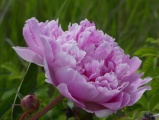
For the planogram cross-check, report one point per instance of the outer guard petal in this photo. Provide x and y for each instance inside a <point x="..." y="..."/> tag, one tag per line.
<point x="29" y="55"/>
<point x="137" y="95"/>
<point x="104" y="113"/>
<point x="64" y="91"/>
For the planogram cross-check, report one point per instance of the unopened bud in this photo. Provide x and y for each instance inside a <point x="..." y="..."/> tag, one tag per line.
<point x="30" y="103"/>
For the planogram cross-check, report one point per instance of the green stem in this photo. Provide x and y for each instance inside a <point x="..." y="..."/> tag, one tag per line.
<point x="47" y="108"/>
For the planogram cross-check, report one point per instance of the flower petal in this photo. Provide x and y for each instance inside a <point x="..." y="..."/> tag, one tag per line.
<point x="65" y="92"/>
<point x="134" y="64"/>
<point x="136" y="84"/>
<point x="67" y="75"/>
<point x="105" y="95"/>
<point x="48" y="53"/>
<point x="115" y="103"/>
<point x="103" y="51"/>
<point x="31" y="33"/>
<point x="29" y="55"/>
<point x="49" y="74"/>
<point x="137" y="95"/>
<point x="92" y="106"/>
<point x="104" y="113"/>
<point x="82" y="90"/>
<point x="126" y="99"/>
<point x="63" y="59"/>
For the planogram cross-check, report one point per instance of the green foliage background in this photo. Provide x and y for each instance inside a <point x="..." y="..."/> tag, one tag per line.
<point x="134" y="25"/>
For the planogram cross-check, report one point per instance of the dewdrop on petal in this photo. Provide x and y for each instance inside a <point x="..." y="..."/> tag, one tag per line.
<point x="30" y="104"/>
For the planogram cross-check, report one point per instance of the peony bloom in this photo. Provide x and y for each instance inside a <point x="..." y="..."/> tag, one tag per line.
<point x="85" y="65"/>
<point x="91" y="70"/>
<point x="32" y="32"/>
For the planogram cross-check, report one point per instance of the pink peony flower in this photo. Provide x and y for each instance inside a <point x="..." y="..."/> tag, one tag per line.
<point x="85" y="65"/>
<point x="91" y="70"/>
<point x="32" y="32"/>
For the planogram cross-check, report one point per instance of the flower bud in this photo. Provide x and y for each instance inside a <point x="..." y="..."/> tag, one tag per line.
<point x="30" y="103"/>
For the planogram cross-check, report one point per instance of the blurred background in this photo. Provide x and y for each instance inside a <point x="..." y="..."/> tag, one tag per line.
<point x="131" y="23"/>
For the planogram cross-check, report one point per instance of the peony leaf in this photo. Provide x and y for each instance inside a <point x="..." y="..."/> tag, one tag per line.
<point x="153" y="102"/>
<point x="149" y="65"/>
<point x="152" y="40"/>
<point x="10" y="67"/>
<point x="146" y="51"/>
<point x="144" y="102"/>
<point x="126" y="118"/>
<point x="27" y="86"/>
<point x="6" y="105"/>
<point x="12" y="70"/>
<point x="154" y="85"/>
<point x="139" y="115"/>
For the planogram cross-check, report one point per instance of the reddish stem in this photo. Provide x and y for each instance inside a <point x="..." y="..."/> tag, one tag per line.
<point x="47" y="108"/>
<point x="24" y="115"/>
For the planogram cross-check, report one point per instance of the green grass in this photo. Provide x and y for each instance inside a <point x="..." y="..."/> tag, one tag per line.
<point x="129" y="22"/>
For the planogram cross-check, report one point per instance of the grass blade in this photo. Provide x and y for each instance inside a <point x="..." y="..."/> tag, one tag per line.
<point x="27" y="86"/>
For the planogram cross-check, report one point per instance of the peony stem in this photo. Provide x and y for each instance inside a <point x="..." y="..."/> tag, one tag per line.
<point x="47" y="108"/>
<point x="24" y="115"/>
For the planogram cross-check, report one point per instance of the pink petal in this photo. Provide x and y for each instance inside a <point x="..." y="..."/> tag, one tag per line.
<point x="48" y="53"/>
<point x="36" y="31"/>
<point x="32" y="43"/>
<point x="115" y="103"/>
<point x="48" y="61"/>
<point x="54" y="54"/>
<point x="132" y="78"/>
<point x="29" y="55"/>
<point x="122" y="69"/>
<point x="141" y="82"/>
<point x="134" y="64"/>
<point x="92" y="107"/>
<point x="136" y="84"/>
<point x="103" y="51"/>
<point x="123" y="86"/>
<point x="137" y="95"/>
<point x="82" y="90"/>
<point x="105" y="95"/>
<point x="49" y="74"/>
<point x="65" y="92"/>
<point x="67" y="75"/>
<point x="76" y="52"/>
<point x="104" y="113"/>
<point x="86" y="23"/>
<point x="63" y="59"/>
<point x="126" y="99"/>
<point x="55" y="46"/>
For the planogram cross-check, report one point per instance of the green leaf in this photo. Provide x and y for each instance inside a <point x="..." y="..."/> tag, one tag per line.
<point x="6" y="105"/>
<point x="7" y="93"/>
<point x="154" y="85"/>
<point x="152" y="40"/>
<point x="146" y="51"/>
<point x="149" y="65"/>
<point x="143" y="101"/>
<point x="126" y="118"/>
<point x="27" y="86"/>
<point x="139" y="115"/>
<point x="11" y="67"/>
<point x="153" y="101"/>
